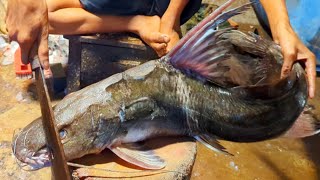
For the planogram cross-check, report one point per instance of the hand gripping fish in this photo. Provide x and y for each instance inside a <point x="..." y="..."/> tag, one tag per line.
<point x="215" y="84"/>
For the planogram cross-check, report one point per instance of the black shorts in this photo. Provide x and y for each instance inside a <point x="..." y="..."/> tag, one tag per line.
<point x="138" y="7"/>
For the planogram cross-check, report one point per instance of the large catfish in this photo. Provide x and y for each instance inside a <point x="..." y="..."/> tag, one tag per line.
<point x="215" y="84"/>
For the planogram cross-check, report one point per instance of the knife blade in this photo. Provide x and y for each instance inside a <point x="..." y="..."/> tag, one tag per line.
<point x="59" y="168"/>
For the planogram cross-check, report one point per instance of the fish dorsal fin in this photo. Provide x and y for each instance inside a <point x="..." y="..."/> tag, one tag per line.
<point x="138" y="155"/>
<point x="201" y="52"/>
<point x="212" y="143"/>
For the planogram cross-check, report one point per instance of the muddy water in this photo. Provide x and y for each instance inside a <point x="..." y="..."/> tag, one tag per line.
<point x="275" y="159"/>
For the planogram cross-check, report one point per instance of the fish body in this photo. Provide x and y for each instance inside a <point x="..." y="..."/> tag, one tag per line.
<point x="227" y="87"/>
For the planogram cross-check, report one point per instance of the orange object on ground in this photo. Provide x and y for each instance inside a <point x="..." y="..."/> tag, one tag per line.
<point x="233" y="23"/>
<point x="22" y="71"/>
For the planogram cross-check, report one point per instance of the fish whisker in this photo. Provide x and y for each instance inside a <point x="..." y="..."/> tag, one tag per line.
<point x="15" y="141"/>
<point x="92" y="119"/>
<point x="25" y="137"/>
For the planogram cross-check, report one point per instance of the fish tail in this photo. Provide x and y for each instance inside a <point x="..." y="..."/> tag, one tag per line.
<point x="306" y="125"/>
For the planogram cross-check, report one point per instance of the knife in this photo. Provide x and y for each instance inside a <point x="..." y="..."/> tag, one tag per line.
<point x="59" y="168"/>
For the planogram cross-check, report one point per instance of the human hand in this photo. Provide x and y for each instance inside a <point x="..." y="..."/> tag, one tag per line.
<point x="27" y="23"/>
<point x="294" y="50"/>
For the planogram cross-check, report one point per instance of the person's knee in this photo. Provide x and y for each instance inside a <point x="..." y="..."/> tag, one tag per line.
<point x="55" y="5"/>
<point x="52" y="21"/>
<point x="52" y="5"/>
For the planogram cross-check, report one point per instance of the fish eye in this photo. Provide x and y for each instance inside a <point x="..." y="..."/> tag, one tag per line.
<point x="63" y="133"/>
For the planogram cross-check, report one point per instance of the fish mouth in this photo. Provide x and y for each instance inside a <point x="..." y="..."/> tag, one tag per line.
<point x="34" y="160"/>
<point x="30" y="159"/>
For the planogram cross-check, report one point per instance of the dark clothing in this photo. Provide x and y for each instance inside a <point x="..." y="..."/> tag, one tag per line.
<point x="138" y="7"/>
<point x="261" y="15"/>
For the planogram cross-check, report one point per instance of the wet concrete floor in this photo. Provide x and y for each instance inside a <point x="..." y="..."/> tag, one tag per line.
<point x="274" y="159"/>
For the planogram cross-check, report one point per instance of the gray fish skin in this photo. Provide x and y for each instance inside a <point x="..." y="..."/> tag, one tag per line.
<point x="227" y="87"/>
<point x="154" y="99"/>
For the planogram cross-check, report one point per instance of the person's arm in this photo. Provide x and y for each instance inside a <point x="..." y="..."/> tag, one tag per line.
<point x="292" y="47"/>
<point x="27" y="23"/>
<point x="170" y="21"/>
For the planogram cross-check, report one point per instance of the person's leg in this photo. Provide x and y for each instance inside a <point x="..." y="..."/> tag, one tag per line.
<point x="68" y="17"/>
<point x="173" y="14"/>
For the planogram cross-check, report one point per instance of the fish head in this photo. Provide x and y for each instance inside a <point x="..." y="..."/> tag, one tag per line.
<point x="82" y="120"/>
<point x="29" y="146"/>
<point x="81" y="136"/>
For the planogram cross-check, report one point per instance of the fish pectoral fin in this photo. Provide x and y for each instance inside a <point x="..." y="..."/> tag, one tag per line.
<point x="139" y="156"/>
<point x="212" y="143"/>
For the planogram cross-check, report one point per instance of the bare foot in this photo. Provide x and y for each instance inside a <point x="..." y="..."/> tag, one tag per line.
<point x="172" y="29"/>
<point x="174" y="38"/>
<point x="149" y="31"/>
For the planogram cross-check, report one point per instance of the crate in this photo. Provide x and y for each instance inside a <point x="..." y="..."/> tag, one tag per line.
<point x="96" y="57"/>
